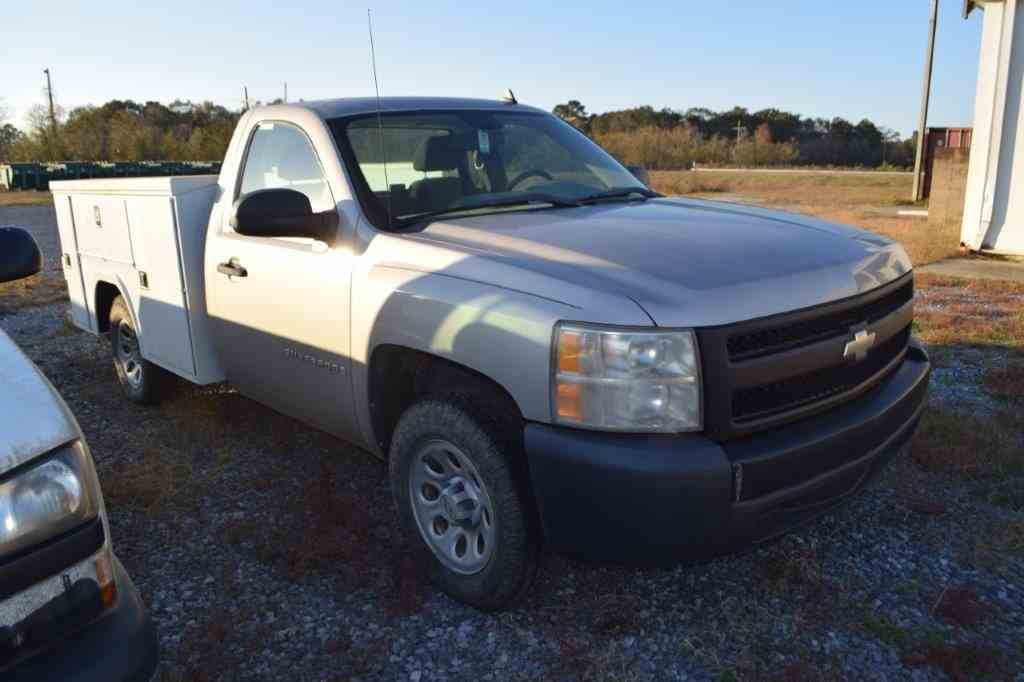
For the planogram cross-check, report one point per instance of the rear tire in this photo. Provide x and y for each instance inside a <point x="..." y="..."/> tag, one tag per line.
<point x="142" y="381"/>
<point x="463" y="502"/>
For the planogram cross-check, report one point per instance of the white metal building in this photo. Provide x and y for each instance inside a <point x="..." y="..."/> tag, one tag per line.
<point x="994" y="207"/>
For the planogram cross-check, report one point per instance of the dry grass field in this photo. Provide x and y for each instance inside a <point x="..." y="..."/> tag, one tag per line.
<point x="46" y="287"/>
<point x="25" y="198"/>
<point x="869" y="201"/>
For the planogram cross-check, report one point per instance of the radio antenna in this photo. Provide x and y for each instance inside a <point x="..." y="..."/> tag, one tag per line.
<point x="380" y="119"/>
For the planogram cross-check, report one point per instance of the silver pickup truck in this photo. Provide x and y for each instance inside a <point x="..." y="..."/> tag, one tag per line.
<point x="68" y="608"/>
<point x="545" y="351"/>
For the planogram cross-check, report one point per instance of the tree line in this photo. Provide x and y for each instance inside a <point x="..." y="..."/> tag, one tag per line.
<point x="669" y="139"/>
<point x="125" y="130"/>
<point x="122" y="130"/>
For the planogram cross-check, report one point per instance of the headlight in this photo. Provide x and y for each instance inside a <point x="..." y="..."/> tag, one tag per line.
<point x="47" y="499"/>
<point x="622" y="380"/>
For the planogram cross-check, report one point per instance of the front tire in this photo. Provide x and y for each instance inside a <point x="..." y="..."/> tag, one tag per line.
<point x="463" y="504"/>
<point x="142" y="381"/>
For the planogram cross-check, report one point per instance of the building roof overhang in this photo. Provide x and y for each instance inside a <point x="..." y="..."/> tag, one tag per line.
<point x="971" y="5"/>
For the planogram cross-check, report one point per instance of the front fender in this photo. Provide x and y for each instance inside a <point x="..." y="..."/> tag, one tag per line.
<point x="505" y="335"/>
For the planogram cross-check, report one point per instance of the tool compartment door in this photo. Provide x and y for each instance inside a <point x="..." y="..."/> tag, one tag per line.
<point x="71" y="264"/>
<point x="162" y="308"/>
<point x="101" y="227"/>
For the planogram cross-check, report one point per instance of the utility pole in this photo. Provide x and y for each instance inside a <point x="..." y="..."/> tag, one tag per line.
<point x="925" y="97"/>
<point x="740" y="132"/>
<point x="245" y="97"/>
<point x="286" y="92"/>
<point x="53" y="117"/>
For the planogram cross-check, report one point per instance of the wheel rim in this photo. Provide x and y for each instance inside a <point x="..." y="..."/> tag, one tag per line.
<point x="452" y="507"/>
<point x="128" y="355"/>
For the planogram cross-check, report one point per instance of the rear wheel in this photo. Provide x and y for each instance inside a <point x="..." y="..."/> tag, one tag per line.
<point x="142" y="381"/>
<point x="462" y="503"/>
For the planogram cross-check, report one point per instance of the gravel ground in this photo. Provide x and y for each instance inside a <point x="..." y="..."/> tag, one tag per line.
<point x="957" y="378"/>
<point x="226" y="514"/>
<point x="266" y="550"/>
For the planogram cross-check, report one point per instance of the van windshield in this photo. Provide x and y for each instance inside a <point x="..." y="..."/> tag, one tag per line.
<point x="414" y="164"/>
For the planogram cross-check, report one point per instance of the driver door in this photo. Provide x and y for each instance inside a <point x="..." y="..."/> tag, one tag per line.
<point x="281" y="321"/>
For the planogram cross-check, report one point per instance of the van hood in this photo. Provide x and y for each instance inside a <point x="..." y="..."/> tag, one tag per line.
<point x="33" y="417"/>
<point x="686" y="262"/>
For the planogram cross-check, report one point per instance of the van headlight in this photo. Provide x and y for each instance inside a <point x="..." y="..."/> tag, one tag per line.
<point x="55" y="495"/>
<point x="626" y="380"/>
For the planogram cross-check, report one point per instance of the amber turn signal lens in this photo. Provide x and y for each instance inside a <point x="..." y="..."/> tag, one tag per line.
<point x="570" y="402"/>
<point x="569" y="351"/>
<point x="105" y="578"/>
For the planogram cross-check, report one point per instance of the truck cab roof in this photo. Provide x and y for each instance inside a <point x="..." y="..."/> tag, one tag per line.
<point x="354" y="106"/>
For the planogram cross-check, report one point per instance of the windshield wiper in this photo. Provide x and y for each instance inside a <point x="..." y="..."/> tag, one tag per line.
<point x="520" y="200"/>
<point x="622" y="193"/>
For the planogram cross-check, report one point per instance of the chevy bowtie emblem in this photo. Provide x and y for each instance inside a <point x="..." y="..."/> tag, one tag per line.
<point x="857" y="348"/>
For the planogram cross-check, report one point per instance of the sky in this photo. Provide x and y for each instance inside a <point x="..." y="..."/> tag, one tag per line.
<point x="820" y="58"/>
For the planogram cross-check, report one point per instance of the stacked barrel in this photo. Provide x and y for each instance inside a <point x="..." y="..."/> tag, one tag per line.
<point x="37" y="176"/>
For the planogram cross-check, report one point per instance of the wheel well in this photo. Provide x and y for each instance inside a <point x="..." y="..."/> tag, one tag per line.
<point x="400" y="376"/>
<point x="105" y="295"/>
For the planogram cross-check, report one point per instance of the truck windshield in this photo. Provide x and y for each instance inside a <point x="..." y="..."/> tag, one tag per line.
<point x="413" y="165"/>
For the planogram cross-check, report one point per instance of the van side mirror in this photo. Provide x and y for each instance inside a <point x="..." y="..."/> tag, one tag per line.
<point x="641" y="174"/>
<point x="19" y="254"/>
<point x="282" y="213"/>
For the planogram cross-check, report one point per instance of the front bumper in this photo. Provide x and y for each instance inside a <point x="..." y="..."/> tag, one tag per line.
<point x="655" y="499"/>
<point x="120" y="646"/>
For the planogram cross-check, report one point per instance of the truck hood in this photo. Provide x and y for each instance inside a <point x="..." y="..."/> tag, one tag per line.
<point x="33" y="417"/>
<point x="686" y="262"/>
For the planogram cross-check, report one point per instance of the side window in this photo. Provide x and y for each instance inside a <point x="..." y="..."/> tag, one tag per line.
<point x="280" y="156"/>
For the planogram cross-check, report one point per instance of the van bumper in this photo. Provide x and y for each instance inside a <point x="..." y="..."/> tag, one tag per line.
<point x="120" y="646"/>
<point x="657" y="499"/>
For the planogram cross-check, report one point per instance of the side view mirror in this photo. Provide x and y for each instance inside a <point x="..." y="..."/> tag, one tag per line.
<point x="282" y="213"/>
<point x="19" y="254"/>
<point x="641" y="174"/>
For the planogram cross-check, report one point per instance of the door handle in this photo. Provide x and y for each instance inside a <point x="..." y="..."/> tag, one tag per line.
<point x="232" y="269"/>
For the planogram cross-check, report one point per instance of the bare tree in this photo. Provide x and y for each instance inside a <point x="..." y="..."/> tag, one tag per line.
<point x="8" y="133"/>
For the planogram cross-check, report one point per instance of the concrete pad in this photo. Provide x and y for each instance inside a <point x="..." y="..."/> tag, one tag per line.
<point x="913" y="213"/>
<point x="977" y="267"/>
